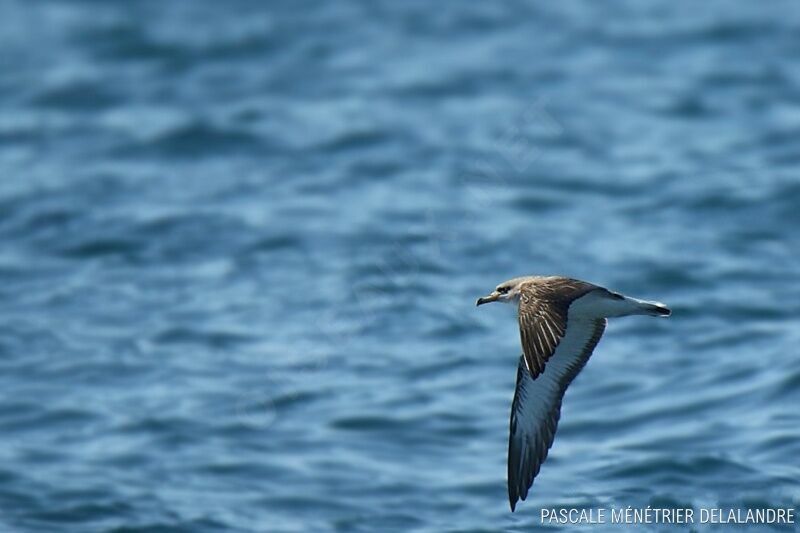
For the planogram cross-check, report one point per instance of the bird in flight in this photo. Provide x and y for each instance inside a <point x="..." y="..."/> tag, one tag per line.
<point x="560" y="322"/>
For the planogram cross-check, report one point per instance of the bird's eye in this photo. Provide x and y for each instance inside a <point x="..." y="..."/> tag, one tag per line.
<point x="502" y="290"/>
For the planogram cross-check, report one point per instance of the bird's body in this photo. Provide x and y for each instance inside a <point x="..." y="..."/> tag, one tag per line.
<point x="561" y="320"/>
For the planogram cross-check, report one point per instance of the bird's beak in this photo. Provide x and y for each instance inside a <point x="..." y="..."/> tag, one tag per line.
<point x="487" y="299"/>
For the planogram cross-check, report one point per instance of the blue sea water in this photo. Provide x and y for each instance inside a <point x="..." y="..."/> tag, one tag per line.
<point x="240" y="246"/>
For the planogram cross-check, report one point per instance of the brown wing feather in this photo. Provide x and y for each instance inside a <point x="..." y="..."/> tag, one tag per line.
<point x="543" y="308"/>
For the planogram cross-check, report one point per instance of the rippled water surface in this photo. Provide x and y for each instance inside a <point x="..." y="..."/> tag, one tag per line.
<point x="240" y="246"/>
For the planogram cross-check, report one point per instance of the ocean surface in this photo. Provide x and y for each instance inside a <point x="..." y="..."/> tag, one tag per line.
<point x="241" y="243"/>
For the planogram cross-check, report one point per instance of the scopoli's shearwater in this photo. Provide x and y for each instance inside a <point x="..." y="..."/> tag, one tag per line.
<point x="560" y="322"/>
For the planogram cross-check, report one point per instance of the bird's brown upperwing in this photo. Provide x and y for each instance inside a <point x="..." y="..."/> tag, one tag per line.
<point x="543" y="307"/>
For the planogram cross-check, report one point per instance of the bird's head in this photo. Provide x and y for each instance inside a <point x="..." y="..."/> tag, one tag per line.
<point x="508" y="292"/>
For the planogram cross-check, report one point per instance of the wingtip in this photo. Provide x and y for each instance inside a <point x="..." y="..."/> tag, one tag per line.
<point x="513" y="496"/>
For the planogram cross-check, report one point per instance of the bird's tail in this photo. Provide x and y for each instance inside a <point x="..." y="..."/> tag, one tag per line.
<point x="613" y="304"/>
<point x="645" y="307"/>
